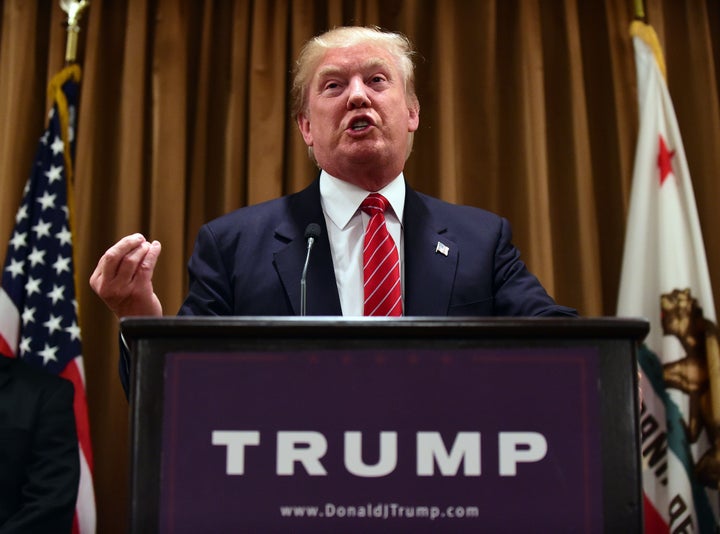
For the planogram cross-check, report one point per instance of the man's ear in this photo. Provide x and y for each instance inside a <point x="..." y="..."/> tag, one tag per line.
<point x="413" y="116"/>
<point x="304" y="126"/>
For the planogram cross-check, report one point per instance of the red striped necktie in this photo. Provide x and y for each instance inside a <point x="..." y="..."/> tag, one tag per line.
<point x="381" y="262"/>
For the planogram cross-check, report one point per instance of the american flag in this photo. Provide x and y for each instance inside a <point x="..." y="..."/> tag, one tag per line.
<point x="38" y="306"/>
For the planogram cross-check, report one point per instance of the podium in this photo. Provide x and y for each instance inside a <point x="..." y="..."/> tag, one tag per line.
<point x="330" y="424"/>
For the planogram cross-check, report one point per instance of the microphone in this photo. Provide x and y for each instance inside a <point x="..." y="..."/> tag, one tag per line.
<point x="312" y="232"/>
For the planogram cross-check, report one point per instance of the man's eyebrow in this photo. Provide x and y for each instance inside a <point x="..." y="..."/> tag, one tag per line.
<point x="372" y="63"/>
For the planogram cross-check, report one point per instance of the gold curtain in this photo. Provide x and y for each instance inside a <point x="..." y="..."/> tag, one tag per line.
<point x="528" y="108"/>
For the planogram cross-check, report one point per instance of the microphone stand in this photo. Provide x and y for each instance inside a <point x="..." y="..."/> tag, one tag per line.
<point x="312" y="232"/>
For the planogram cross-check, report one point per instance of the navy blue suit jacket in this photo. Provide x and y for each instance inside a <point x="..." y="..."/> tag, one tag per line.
<point x="250" y="261"/>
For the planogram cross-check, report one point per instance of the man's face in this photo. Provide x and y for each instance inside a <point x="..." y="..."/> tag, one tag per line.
<point x="357" y="115"/>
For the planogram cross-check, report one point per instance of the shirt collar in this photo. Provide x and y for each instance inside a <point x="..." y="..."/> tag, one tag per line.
<point x="341" y="199"/>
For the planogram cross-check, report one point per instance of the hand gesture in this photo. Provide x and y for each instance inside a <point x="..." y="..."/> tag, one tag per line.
<point x="123" y="277"/>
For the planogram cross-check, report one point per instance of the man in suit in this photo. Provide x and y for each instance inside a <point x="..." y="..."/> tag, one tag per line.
<point x="39" y="459"/>
<point x="355" y="105"/>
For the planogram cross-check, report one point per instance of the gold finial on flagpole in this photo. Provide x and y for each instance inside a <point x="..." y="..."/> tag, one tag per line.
<point x="639" y="10"/>
<point x="74" y="9"/>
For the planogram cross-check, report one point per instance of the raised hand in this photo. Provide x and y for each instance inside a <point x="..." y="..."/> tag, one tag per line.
<point x="123" y="277"/>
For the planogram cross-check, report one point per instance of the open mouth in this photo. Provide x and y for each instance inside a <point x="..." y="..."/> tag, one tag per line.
<point x="360" y="124"/>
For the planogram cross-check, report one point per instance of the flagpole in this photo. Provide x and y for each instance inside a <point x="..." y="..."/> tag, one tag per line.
<point x="74" y="9"/>
<point x="64" y="88"/>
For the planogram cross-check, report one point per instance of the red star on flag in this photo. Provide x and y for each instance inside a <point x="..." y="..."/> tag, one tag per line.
<point x="664" y="163"/>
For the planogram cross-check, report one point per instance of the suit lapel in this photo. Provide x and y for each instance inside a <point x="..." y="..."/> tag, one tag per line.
<point x="430" y="260"/>
<point x="322" y="295"/>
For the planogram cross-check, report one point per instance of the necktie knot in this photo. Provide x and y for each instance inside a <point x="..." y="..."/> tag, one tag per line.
<point x="374" y="203"/>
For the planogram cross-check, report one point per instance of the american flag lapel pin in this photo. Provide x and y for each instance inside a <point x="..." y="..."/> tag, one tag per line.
<point x="442" y="248"/>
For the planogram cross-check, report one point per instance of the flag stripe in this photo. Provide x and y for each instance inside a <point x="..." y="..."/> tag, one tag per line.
<point x="9" y="325"/>
<point x="85" y="508"/>
<point x="73" y="373"/>
<point x="653" y="520"/>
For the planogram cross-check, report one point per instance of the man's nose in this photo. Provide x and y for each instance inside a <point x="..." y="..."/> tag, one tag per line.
<point x="358" y="94"/>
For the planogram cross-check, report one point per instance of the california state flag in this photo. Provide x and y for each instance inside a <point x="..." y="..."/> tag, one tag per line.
<point x="665" y="278"/>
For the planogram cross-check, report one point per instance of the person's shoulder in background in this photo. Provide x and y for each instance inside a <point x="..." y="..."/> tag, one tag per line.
<point x="39" y="458"/>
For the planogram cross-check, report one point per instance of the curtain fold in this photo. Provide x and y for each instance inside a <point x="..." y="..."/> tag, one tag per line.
<point x="528" y="109"/>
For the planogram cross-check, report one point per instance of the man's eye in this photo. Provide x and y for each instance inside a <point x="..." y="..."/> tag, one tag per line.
<point x="378" y="79"/>
<point x="332" y="85"/>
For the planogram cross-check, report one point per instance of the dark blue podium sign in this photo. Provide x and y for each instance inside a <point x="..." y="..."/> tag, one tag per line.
<point x="417" y="425"/>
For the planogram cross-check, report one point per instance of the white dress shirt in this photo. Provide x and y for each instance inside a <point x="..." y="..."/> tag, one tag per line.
<point x="346" y="224"/>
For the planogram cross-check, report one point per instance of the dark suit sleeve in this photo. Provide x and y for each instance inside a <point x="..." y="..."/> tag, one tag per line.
<point x="517" y="291"/>
<point x="209" y="292"/>
<point x="50" y="486"/>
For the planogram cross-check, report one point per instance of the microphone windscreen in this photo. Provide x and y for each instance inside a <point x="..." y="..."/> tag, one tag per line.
<point x="312" y="230"/>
